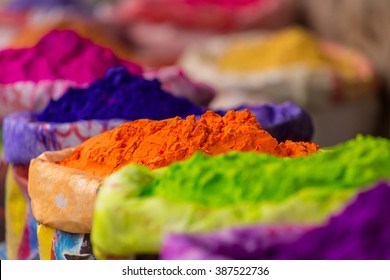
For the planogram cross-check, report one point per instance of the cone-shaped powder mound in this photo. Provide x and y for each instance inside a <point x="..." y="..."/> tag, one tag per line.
<point x="60" y="55"/>
<point x="159" y="143"/>
<point x="119" y="95"/>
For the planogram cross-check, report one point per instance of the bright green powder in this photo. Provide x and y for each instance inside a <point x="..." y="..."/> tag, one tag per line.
<point x="252" y="177"/>
<point x="135" y="206"/>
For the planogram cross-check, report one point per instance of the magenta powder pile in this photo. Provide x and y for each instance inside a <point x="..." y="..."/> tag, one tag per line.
<point x="60" y="55"/>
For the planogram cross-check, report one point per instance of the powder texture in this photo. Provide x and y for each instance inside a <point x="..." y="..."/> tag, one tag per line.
<point x="30" y="35"/>
<point x="203" y="194"/>
<point x="214" y="181"/>
<point x="233" y="243"/>
<point x="119" y="95"/>
<point x="278" y="50"/>
<point x="159" y="143"/>
<point x="360" y="232"/>
<point x="60" y="55"/>
<point x="284" y="121"/>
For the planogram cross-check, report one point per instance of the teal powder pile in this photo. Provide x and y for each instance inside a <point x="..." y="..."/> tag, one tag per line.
<point x="230" y="178"/>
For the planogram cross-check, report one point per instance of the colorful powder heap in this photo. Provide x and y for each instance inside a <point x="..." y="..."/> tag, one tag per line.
<point x="280" y="50"/>
<point x="203" y="194"/>
<point x="30" y="35"/>
<point x="60" y="55"/>
<point x="360" y="232"/>
<point x="159" y="143"/>
<point x="214" y="181"/>
<point x="284" y="121"/>
<point x="119" y="95"/>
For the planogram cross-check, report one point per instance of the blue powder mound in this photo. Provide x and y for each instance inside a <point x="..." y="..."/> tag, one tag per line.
<point x="119" y="95"/>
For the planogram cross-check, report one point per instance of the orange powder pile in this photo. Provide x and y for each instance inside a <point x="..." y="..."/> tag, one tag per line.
<point x="159" y="143"/>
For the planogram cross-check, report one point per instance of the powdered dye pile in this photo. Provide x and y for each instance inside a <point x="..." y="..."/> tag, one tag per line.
<point x="224" y="179"/>
<point x="360" y="232"/>
<point x="204" y="193"/>
<point x="119" y="95"/>
<point x="99" y="34"/>
<point x="282" y="49"/>
<point x="60" y="55"/>
<point x="158" y="143"/>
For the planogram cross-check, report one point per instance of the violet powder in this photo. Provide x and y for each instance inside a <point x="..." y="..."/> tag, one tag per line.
<point x="119" y="95"/>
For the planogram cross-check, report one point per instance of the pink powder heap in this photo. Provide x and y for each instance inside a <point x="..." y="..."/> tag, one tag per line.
<point x="60" y="55"/>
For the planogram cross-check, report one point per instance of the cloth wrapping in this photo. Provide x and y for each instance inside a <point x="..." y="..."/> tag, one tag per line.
<point x="59" y="245"/>
<point x="26" y="139"/>
<point x="30" y="96"/>
<point x="63" y="198"/>
<point x="21" y="237"/>
<point x="3" y="171"/>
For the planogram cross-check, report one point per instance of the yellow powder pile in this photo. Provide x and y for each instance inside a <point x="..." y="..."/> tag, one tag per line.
<point x="159" y="143"/>
<point x="291" y="46"/>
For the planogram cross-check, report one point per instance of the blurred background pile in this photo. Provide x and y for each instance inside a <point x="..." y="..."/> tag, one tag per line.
<point x="310" y="70"/>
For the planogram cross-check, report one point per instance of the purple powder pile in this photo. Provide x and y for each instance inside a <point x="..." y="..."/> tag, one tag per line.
<point x="60" y="55"/>
<point x="360" y="232"/>
<point x="237" y="243"/>
<point x="119" y="95"/>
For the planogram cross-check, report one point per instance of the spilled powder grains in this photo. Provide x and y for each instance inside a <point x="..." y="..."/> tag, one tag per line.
<point x="159" y="143"/>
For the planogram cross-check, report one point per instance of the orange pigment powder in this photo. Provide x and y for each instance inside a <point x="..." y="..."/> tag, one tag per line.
<point x="156" y="144"/>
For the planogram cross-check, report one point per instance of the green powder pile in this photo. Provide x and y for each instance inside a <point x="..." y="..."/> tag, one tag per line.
<point x="252" y="177"/>
<point x="136" y="206"/>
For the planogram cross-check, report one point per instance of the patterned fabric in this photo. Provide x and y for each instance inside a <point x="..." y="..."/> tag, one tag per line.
<point x="30" y="96"/>
<point x="21" y="238"/>
<point x="25" y="139"/>
<point x="59" y="245"/>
